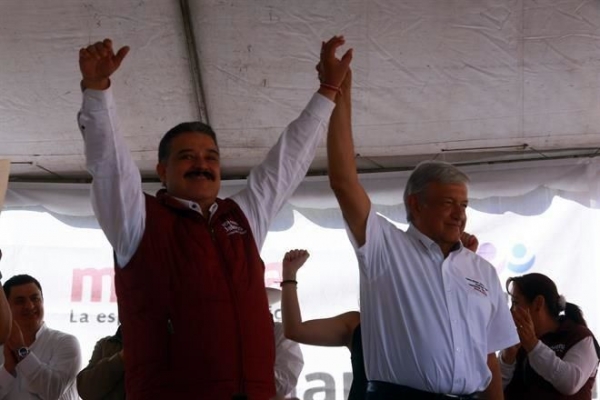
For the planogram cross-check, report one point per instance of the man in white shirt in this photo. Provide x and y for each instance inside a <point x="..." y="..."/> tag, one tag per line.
<point x="432" y="312"/>
<point x="189" y="276"/>
<point x="38" y="362"/>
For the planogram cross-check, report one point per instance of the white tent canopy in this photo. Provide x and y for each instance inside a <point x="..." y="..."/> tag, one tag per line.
<point x="474" y="81"/>
<point x="508" y="89"/>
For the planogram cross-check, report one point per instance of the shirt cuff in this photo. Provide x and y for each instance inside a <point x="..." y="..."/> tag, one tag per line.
<point x="320" y="106"/>
<point x="96" y="100"/>
<point x="5" y="376"/>
<point x="29" y="364"/>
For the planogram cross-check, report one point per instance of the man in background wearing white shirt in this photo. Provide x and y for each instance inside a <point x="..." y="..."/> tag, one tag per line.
<point x="38" y="362"/>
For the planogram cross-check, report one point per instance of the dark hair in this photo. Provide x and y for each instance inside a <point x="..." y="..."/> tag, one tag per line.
<point x="19" y="280"/>
<point x="164" y="146"/>
<point x="535" y="284"/>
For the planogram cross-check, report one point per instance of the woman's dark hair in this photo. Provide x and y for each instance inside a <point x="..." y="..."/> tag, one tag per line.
<point x="535" y="284"/>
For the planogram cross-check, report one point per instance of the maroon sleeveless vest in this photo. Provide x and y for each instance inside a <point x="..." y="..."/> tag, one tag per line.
<point x="526" y="384"/>
<point x="193" y="306"/>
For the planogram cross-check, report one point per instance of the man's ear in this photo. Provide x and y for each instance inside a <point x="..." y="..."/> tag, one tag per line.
<point x="414" y="205"/>
<point x="161" y="170"/>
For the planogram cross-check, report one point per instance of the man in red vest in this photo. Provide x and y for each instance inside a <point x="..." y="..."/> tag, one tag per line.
<point x="189" y="277"/>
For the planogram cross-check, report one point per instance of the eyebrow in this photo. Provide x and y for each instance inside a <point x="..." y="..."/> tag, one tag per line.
<point x="211" y="150"/>
<point x="28" y="297"/>
<point x="453" y="199"/>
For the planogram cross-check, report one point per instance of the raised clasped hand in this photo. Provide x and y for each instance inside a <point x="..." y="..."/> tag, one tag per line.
<point x="331" y="69"/>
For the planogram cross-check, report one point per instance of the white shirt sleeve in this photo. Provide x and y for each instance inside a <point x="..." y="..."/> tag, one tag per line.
<point x="7" y="381"/>
<point x="501" y="330"/>
<point x="117" y="196"/>
<point x="373" y="259"/>
<point x="271" y="183"/>
<point x="288" y="362"/>
<point x="569" y="374"/>
<point x="50" y="380"/>
<point x="507" y="371"/>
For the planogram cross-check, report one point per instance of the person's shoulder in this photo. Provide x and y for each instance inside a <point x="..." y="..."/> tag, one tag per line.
<point x="386" y="224"/>
<point x="477" y="265"/>
<point x="60" y="335"/>
<point x="478" y="260"/>
<point x="576" y="329"/>
<point x="108" y="339"/>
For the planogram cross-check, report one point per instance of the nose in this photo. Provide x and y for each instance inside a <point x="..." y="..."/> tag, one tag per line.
<point x="29" y="304"/>
<point x="459" y="212"/>
<point x="200" y="162"/>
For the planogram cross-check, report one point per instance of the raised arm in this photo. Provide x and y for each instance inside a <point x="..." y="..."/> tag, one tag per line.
<point x="272" y="183"/>
<point x="569" y="374"/>
<point x="117" y="195"/>
<point x="336" y="331"/>
<point x="343" y="177"/>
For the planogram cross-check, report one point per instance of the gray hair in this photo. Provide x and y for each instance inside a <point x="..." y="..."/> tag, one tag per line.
<point x="428" y="172"/>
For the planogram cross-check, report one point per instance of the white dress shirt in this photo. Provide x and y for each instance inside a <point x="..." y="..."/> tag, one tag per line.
<point x="428" y="322"/>
<point x="117" y="195"/>
<point x="288" y="362"/>
<point x="567" y="375"/>
<point x="48" y="372"/>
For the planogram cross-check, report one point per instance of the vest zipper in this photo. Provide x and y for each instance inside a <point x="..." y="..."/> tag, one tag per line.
<point x="241" y="384"/>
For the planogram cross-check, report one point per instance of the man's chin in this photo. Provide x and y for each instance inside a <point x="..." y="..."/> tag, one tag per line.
<point x="199" y="197"/>
<point x="29" y="323"/>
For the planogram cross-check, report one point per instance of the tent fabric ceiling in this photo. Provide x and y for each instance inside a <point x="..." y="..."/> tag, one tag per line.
<point x="432" y="79"/>
<point x="498" y="189"/>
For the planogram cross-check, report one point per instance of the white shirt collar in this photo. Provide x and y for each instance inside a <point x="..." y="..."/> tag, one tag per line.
<point x="42" y="329"/>
<point x="196" y="207"/>
<point x="426" y="240"/>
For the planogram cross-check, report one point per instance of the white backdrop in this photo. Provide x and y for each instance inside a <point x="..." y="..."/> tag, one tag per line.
<point x="529" y="217"/>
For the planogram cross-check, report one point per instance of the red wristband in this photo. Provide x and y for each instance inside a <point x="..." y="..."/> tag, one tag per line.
<point x="331" y="87"/>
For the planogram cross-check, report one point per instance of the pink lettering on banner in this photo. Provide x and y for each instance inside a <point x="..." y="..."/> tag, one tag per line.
<point x="95" y="278"/>
<point x="272" y="274"/>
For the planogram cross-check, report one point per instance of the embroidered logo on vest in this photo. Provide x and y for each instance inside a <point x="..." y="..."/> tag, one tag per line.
<point x="232" y="227"/>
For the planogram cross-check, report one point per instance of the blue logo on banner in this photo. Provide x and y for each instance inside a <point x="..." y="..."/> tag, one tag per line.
<point x="519" y="261"/>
